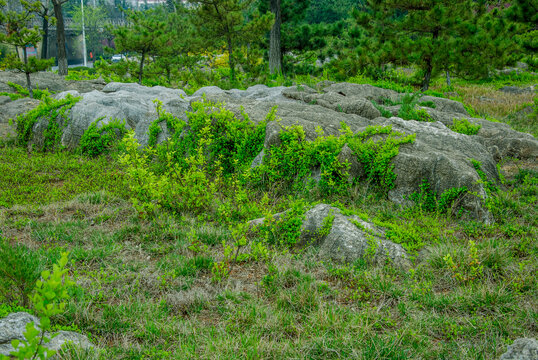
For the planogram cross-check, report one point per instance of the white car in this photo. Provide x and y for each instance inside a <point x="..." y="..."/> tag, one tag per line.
<point x="117" y="58"/>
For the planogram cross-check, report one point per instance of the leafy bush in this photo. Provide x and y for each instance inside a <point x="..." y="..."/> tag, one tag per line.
<point x="173" y="124"/>
<point x="291" y="163"/>
<point x="464" y="126"/>
<point x="98" y="140"/>
<point x="55" y="111"/>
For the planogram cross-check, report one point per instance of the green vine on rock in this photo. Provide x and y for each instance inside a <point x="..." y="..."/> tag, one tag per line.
<point x="98" y="140"/>
<point x="291" y="163"/>
<point x="55" y="111"/>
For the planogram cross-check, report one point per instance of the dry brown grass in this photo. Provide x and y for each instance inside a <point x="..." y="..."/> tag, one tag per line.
<point x="488" y="100"/>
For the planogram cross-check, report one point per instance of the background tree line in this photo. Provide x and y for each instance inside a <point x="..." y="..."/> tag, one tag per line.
<point x="466" y="38"/>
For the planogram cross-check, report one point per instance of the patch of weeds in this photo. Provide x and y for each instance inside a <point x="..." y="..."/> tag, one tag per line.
<point x="20" y="268"/>
<point x="489" y="186"/>
<point x="464" y="126"/>
<point x="427" y="200"/>
<point x="98" y="140"/>
<point x="12" y="96"/>
<point x="41" y="178"/>
<point x="408" y="110"/>
<point x="465" y="269"/>
<point x="291" y="290"/>
<point x="384" y="112"/>
<point x="284" y="230"/>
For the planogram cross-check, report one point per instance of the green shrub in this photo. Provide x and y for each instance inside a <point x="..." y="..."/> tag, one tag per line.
<point x="291" y="163"/>
<point x="55" y="111"/>
<point x="173" y="124"/>
<point x="99" y="140"/>
<point x="427" y="200"/>
<point x="464" y="126"/>
<point x="48" y="301"/>
<point x="489" y="186"/>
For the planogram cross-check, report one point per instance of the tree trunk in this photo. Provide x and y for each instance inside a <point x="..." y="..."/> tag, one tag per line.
<point x="448" y="82"/>
<point x="429" y="65"/>
<point x="275" y="55"/>
<point x="427" y="76"/>
<point x="60" y="37"/>
<point x="28" y="82"/>
<point x="45" y="41"/>
<point x="231" y="60"/>
<point x="141" y="69"/>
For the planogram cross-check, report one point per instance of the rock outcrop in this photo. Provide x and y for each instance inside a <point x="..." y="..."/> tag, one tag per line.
<point x="13" y="326"/>
<point x="129" y="102"/>
<point x="438" y="155"/>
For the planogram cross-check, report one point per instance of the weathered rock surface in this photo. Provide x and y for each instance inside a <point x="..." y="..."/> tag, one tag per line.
<point x="438" y="155"/>
<point x="349" y="237"/>
<point x="130" y="102"/>
<point x="13" y="326"/>
<point x="48" y="80"/>
<point x="10" y="110"/>
<point x="522" y="349"/>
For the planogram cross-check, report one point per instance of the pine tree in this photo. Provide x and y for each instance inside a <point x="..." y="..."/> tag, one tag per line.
<point x="143" y="35"/>
<point x="436" y="35"/>
<point x="223" y="21"/>
<point x="297" y="35"/>
<point x="525" y="13"/>
<point x="178" y="43"/>
<point x="17" y="32"/>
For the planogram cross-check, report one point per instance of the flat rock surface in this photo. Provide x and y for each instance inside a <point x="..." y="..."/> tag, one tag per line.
<point x="48" y="80"/>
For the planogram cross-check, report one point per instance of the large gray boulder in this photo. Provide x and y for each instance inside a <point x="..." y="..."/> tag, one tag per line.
<point x="13" y="326"/>
<point x="132" y="103"/>
<point x="438" y="155"/>
<point x="522" y="349"/>
<point x="335" y="101"/>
